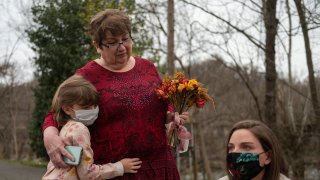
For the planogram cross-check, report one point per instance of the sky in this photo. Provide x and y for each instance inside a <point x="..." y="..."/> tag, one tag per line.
<point x="299" y="65"/>
<point x="12" y="23"/>
<point x="13" y="40"/>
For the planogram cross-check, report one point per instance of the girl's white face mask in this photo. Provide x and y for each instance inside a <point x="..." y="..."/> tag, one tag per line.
<point x="87" y="116"/>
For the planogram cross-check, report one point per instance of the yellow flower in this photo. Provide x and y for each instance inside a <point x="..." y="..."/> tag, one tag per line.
<point x="194" y="83"/>
<point x="181" y="87"/>
<point x="190" y="86"/>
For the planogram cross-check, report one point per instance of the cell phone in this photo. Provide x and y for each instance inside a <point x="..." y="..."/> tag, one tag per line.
<point x="76" y="152"/>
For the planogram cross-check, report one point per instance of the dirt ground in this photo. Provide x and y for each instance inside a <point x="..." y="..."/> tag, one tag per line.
<point x="15" y="171"/>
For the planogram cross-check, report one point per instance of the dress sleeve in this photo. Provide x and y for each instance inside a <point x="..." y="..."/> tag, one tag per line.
<point x="86" y="169"/>
<point x="49" y="121"/>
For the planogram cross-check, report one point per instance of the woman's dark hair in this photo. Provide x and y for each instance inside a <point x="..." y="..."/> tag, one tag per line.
<point x="74" y="90"/>
<point x="269" y="144"/>
<point x="112" y="20"/>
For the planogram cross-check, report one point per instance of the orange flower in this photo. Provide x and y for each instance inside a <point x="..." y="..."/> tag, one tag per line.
<point x="178" y="75"/>
<point x="172" y="89"/>
<point x="160" y="93"/>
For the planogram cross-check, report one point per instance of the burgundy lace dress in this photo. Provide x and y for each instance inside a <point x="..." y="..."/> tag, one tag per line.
<point x="131" y="121"/>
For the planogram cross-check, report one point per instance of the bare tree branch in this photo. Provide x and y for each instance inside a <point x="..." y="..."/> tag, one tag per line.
<point x="248" y="36"/>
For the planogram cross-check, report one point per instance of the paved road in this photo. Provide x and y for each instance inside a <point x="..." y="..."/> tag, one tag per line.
<point x="14" y="171"/>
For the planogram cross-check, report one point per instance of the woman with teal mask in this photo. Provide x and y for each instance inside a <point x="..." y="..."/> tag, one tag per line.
<point x="254" y="153"/>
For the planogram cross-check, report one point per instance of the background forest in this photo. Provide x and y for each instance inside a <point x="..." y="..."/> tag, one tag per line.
<point x="242" y="51"/>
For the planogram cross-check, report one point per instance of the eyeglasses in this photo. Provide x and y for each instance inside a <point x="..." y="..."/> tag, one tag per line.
<point x="117" y="44"/>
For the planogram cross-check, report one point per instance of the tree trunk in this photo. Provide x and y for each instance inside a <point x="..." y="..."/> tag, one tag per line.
<point x="271" y="74"/>
<point x="12" y="109"/>
<point x="289" y="53"/>
<point x="13" y="117"/>
<point x="203" y="152"/>
<point x="312" y="82"/>
<point x="193" y="152"/>
<point x="170" y="56"/>
<point x="314" y="130"/>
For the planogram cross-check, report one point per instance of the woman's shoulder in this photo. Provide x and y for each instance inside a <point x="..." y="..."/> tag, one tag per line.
<point x="146" y="66"/>
<point x="144" y="61"/>
<point x="224" y="178"/>
<point x="90" y="67"/>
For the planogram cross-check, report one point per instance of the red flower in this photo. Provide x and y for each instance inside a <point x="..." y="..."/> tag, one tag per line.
<point x="200" y="103"/>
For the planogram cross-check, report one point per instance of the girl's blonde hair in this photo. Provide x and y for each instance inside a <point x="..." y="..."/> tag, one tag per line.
<point x="74" y="90"/>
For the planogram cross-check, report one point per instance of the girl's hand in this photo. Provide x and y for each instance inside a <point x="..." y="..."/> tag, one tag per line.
<point x="131" y="165"/>
<point x="54" y="145"/>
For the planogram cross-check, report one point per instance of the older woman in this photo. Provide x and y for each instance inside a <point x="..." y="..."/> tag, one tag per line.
<point x="253" y="152"/>
<point x="132" y="118"/>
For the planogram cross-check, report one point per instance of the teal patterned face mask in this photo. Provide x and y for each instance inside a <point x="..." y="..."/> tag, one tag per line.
<point x="244" y="166"/>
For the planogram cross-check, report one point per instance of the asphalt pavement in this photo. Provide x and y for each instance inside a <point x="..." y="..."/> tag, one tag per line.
<point x="15" y="171"/>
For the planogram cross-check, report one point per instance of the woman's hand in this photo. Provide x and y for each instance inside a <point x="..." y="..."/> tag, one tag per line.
<point x="54" y="145"/>
<point x="131" y="165"/>
<point x="184" y="117"/>
<point x="182" y="133"/>
<point x="180" y="118"/>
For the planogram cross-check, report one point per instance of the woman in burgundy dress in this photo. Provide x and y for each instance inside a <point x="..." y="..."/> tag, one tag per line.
<point x="132" y="119"/>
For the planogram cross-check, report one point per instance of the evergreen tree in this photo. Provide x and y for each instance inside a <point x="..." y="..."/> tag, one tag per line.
<point x="62" y="45"/>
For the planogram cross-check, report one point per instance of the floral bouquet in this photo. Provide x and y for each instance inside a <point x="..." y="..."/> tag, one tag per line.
<point x="182" y="94"/>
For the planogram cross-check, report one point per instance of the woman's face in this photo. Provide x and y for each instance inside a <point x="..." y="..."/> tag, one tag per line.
<point x="243" y="141"/>
<point x="116" y="50"/>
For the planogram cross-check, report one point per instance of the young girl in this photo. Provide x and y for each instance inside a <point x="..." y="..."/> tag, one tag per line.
<point x="254" y="153"/>
<point x="75" y="106"/>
